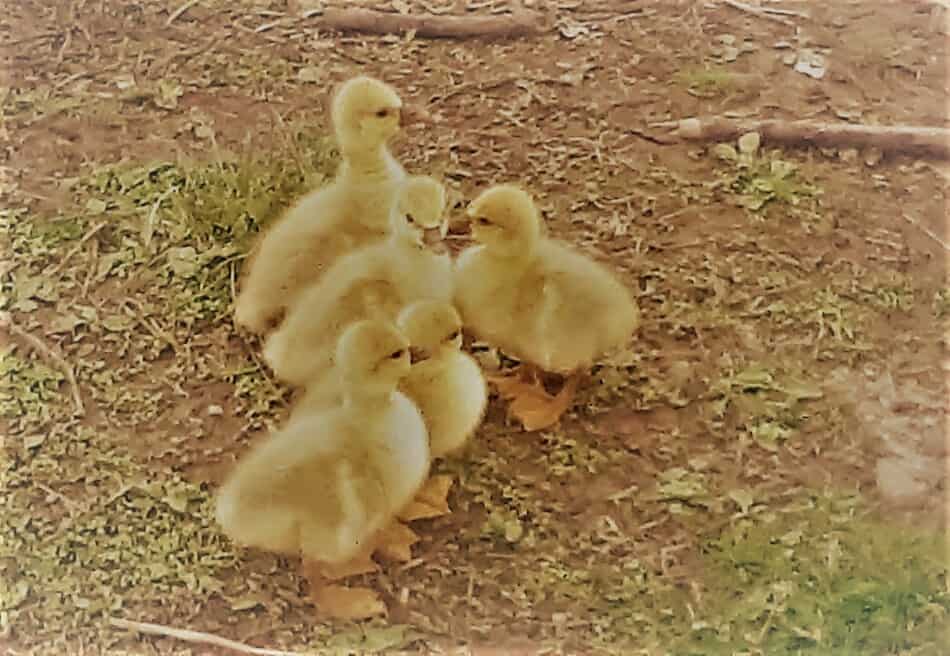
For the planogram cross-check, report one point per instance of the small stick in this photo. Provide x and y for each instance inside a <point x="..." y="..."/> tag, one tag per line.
<point x="67" y="40"/>
<point x="764" y="12"/>
<point x="92" y="269"/>
<point x="6" y="321"/>
<point x="181" y="10"/>
<point x="67" y="502"/>
<point x="198" y="637"/>
<point x="927" y="231"/>
<point x="75" y="249"/>
<point x="368" y="21"/>
<point x="35" y="37"/>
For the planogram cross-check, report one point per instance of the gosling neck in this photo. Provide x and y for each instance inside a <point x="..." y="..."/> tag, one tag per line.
<point x="368" y="398"/>
<point x="440" y="357"/>
<point x="513" y="254"/>
<point x="365" y="160"/>
<point x="403" y="237"/>
<point x="434" y="359"/>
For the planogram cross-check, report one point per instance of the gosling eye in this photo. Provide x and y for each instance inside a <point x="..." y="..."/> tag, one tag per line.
<point x="396" y="355"/>
<point x="454" y="335"/>
<point x="382" y="113"/>
<point x="410" y="219"/>
<point x="482" y="221"/>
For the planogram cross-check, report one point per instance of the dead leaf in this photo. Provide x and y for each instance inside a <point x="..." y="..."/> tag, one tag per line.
<point x="183" y="261"/>
<point x="63" y="323"/>
<point x="319" y="572"/>
<point x="531" y="404"/>
<point x="394" y="543"/>
<point x="311" y="74"/>
<point x="810" y="63"/>
<point x="96" y="206"/>
<point x="169" y="91"/>
<point x="749" y="143"/>
<point x="341" y="602"/>
<point x="117" y="323"/>
<point x="430" y="501"/>
<point x="248" y="602"/>
<point x="124" y="81"/>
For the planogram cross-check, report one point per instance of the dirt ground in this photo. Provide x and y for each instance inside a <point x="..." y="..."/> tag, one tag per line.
<point x="763" y="469"/>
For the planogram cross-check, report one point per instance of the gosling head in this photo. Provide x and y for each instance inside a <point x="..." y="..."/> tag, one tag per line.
<point x="419" y="206"/>
<point x="431" y="326"/>
<point x="505" y="219"/>
<point x="372" y="356"/>
<point x="365" y="112"/>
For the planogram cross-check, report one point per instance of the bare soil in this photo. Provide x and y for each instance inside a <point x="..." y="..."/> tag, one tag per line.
<point x="839" y="283"/>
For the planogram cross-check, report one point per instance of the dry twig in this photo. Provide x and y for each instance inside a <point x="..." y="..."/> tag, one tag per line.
<point x="181" y="10"/>
<point x="765" y="12"/>
<point x="6" y="321"/>
<point x="78" y="247"/>
<point x="369" y="21"/>
<point x="893" y="138"/>
<point x="197" y="637"/>
<point x="927" y="231"/>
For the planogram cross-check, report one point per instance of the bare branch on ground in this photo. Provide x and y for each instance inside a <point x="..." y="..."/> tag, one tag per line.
<point x="888" y="138"/>
<point x="368" y="21"/>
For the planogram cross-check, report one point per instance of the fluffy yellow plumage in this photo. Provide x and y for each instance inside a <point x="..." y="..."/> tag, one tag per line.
<point x="534" y="297"/>
<point x="354" y="210"/>
<point x="447" y="386"/>
<point x="376" y="281"/>
<point x="330" y="479"/>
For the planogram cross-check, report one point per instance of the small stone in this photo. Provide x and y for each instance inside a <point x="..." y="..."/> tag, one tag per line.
<point x="749" y="143"/>
<point x="514" y="531"/>
<point x="311" y="74"/>
<point x="215" y="410"/>
<point x="873" y="157"/>
<point x="810" y="63"/>
<point x="848" y="154"/>
<point x="730" y="53"/>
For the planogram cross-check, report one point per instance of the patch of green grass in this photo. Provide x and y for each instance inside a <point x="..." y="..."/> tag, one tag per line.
<point x="814" y="578"/>
<point x="889" y="296"/>
<point x="27" y="390"/>
<point x="225" y="201"/>
<point x="31" y="244"/>
<point x="706" y="82"/>
<point x="200" y="219"/>
<point x="258" y="393"/>
<point x="116" y="536"/>
<point x="941" y="302"/>
<point x="762" y="181"/>
<point x="761" y="178"/>
<point x="766" y="405"/>
<point x="832" y="322"/>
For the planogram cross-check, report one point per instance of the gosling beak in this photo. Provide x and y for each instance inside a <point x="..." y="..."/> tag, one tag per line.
<point x="417" y="354"/>
<point x="417" y="236"/>
<point x="432" y="236"/>
<point x="468" y="220"/>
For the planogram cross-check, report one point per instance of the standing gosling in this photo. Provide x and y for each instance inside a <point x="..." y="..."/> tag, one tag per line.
<point x="447" y="386"/>
<point x="330" y="479"/>
<point x="350" y="212"/>
<point x="373" y="282"/>
<point x="533" y="297"/>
